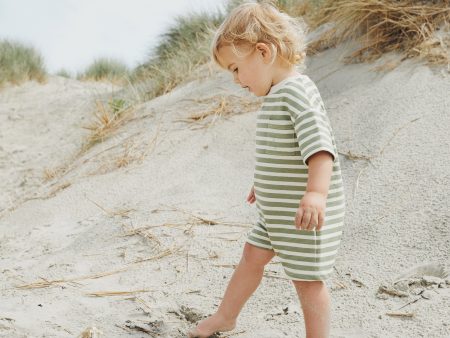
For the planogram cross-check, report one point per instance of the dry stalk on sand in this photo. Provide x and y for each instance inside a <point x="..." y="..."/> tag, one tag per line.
<point x="141" y="232"/>
<point x="132" y="152"/>
<point x="114" y="293"/>
<point x="111" y="213"/>
<point x="217" y="107"/>
<point x="202" y="220"/>
<point x="47" y="283"/>
<point x="50" y="174"/>
<point x="400" y="314"/>
<point x="381" y="26"/>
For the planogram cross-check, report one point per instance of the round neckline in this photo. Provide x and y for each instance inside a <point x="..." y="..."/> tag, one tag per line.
<point x="279" y="84"/>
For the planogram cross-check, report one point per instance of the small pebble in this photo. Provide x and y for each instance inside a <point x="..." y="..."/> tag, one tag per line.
<point x="431" y="280"/>
<point x="402" y="285"/>
<point x="382" y="296"/>
<point x="427" y="294"/>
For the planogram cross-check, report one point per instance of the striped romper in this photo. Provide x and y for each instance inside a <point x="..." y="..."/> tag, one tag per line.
<point x="291" y="126"/>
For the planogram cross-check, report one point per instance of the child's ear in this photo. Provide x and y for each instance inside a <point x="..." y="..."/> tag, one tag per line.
<point x="265" y="51"/>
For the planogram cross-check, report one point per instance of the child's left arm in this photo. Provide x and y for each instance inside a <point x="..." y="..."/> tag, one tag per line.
<point x="311" y="212"/>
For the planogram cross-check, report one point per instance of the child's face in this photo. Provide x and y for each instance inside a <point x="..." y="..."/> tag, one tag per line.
<point x="251" y="69"/>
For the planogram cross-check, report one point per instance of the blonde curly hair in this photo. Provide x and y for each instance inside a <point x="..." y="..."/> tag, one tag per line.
<point x="251" y="23"/>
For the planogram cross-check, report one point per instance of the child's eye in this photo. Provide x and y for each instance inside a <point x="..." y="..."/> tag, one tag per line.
<point x="235" y="70"/>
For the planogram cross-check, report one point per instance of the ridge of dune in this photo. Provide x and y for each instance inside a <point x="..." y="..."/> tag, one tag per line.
<point x="142" y="223"/>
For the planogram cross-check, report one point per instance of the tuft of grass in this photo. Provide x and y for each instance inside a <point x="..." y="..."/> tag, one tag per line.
<point x="382" y="26"/>
<point x="297" y="8"/>
<point x="184" y="47"/>
<point x="64" y="73"/>
<point x="107" y="119"/>
<point x="106" y="69"/>
<point x="19" y="63"/>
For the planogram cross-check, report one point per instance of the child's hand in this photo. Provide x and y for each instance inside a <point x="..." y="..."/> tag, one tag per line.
<point x="311" y="212"/>
<point x="251" y="198"/>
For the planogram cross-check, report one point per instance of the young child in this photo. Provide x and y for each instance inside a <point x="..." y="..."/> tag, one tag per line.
<point x="298" y="188"/>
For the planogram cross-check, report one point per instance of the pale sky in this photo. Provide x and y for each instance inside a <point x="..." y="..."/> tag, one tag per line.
<point x="70" y="34"/>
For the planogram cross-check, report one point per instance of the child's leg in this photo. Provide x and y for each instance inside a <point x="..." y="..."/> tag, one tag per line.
<point x="315" y="302"/>
<point x="243" y="283"/>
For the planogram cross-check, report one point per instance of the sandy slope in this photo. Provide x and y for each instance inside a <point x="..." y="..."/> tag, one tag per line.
<point x="397" y="216"/>
<point x="41" y="127"/>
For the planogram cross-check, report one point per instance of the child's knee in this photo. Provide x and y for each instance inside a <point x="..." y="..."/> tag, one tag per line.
<point x="305" y="286"/>
<point x="255" y="256"/>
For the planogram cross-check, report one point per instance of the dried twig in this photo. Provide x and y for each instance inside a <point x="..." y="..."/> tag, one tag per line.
<point x="410" y="302"/>
<point x="120" y="212"/>
<point x="400" y="314"/>
<point x="115" y="293"/>
<point x="46" y="283"/>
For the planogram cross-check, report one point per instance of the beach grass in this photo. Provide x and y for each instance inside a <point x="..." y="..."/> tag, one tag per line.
<point x="105" y="69"/>
<point x="64" y="73"/>
<point x="107" y="119"/>
<point x="381" y="26"/>
<point x="20" y="62"/>
<point x="414" y="28"/>
<point x="183" y="47"/>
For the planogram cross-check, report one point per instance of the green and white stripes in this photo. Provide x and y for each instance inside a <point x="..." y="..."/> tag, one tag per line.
<point x="292" y="125"/>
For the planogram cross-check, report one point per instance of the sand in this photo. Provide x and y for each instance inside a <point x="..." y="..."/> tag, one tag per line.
<point x="166" y="229"/>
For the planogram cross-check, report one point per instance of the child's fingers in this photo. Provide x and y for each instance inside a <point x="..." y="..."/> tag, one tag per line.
<point x="298" y="218"/>
<point x="251" y="196"/>
<point x="321" y="221"/>
<point x="314" y="221"/>
<point x="306" y="219"/>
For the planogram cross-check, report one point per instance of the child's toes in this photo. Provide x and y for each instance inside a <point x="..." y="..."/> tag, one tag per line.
<point x="194" y="334"/>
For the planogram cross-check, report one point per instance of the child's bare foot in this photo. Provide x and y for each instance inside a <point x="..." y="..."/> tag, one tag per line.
<point x="211" y="325"/>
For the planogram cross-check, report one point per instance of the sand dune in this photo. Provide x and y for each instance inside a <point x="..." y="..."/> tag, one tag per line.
<point x="166" y="229"/>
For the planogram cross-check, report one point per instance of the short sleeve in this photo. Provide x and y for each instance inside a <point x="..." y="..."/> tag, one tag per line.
<point x="311" y="123"/>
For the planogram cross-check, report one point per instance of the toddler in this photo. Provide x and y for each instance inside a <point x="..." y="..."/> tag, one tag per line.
<point x="298" y="187"/>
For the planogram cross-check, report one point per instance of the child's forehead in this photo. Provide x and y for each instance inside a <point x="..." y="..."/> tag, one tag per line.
<point x="227" y="54"/>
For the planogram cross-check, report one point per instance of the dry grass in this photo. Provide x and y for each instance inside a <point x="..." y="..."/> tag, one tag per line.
<point x="106" y="69"/>
<point x="217" y="107"/>
<point x="183" y="48"/>
<point x="141" y="231"/>
<point x="132" y="152"/>
<point x="47" y="283"/>
<point x="58" y="188"/>
<point x="408" y="26"/>
<point x="184" y="225"/>
<point x="109" y="212"/>
<point x="50" y="174"/>
<point x="107" y="119"/>
<point x="115" y="293"/>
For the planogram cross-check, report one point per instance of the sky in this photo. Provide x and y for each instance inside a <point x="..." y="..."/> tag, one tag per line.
<point x="71" y="34"/>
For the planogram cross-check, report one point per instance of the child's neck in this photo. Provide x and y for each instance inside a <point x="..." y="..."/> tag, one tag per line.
<point x="283" y="74"/>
